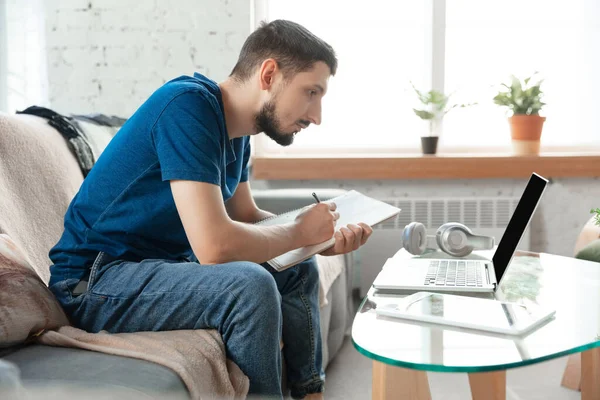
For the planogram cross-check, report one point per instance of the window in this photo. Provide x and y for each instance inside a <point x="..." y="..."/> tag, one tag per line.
<point x="465" y="47"/>
<point x="380" y="48"/>
<point x="23" y="70"/>
<point x="497" y="38"/>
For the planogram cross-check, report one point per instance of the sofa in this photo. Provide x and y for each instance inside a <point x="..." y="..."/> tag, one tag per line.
<point x="39" y="175"/>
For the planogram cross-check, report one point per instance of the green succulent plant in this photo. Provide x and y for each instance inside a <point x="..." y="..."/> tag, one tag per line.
<point x="521" y="97"/>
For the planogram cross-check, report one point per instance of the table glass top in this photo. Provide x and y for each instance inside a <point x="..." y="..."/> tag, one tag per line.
<point x="567" y="285"/>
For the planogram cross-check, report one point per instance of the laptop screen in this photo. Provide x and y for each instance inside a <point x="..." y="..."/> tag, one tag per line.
<point x="518" y="223"/>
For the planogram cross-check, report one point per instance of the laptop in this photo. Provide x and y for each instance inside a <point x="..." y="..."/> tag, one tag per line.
<point x="466" y="274"/>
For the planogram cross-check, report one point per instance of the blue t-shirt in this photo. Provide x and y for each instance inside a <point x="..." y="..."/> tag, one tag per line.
<point x="125" y="207"/>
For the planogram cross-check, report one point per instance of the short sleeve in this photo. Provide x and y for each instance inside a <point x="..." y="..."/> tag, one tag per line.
<point x="187" y="137"/>
<point x="246" y="159"/>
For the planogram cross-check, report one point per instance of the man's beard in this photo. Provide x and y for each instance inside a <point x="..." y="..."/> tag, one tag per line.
<point x="266" y="121"/>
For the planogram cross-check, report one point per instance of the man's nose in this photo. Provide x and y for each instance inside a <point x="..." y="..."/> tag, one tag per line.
<point x="315" y="114"/>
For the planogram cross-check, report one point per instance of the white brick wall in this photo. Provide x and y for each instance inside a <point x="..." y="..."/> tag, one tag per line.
<point x="109" y="55"/>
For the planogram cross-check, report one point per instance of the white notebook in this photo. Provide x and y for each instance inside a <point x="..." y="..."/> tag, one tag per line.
<point x="353" y="207"/>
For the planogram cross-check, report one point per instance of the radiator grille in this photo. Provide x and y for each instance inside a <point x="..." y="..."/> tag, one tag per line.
<point x="481" y="212"/>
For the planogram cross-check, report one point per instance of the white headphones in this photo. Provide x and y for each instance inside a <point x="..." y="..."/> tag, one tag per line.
<point x="452" y="238"/>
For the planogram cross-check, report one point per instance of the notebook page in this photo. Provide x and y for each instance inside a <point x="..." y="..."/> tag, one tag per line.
<point x="355" y="207"/>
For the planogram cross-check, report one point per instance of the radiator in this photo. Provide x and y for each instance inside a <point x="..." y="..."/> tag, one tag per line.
<point x="483" y="215"/>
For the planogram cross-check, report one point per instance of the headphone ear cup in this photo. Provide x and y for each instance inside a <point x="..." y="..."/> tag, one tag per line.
<point x="453" y="239"/>
<point x="414" y="238"/>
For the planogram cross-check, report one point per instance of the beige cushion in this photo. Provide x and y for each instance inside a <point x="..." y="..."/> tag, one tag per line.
<point x="330" y="268"/>
<point x="38" y="178"/>
<point x="27" y="307"/>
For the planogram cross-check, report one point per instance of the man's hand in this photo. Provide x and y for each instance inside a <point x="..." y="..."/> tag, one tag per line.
<point x="316" y="223"/>
<point x="349" y="238"/>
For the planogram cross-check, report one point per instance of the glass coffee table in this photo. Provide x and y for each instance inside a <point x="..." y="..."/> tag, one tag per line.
<point x="402" y="351"/>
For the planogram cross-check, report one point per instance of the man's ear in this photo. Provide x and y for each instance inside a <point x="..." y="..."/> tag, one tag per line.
<point x="267" y="72"/>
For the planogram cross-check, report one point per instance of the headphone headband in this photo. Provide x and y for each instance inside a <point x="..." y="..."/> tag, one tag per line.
<point x="453" y="238"/>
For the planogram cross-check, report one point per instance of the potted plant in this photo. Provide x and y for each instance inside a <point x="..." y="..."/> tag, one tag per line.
<point x="596" y="212"/>
<point x="523" y="100"/>
<point x="434" y="105"/>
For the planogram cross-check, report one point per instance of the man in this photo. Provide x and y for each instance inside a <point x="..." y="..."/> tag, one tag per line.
<point x="159" y="236"/>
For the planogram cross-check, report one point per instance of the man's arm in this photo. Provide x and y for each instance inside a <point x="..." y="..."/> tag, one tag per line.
<point x="241" y="207"/>
<point x="216" y="238"/>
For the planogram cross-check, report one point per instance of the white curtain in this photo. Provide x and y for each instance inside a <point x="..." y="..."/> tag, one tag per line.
<point x="23" y="65"/>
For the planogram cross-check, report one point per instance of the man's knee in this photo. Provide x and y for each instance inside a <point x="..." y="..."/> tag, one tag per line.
<point x="257" y="283"/>
<point x="255" y="308"/>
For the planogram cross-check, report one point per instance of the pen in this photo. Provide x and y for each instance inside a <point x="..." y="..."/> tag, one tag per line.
<point x="316" y="198"/>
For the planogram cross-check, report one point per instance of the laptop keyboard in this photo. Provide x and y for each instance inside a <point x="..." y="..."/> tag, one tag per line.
<point x="454" y="273"/>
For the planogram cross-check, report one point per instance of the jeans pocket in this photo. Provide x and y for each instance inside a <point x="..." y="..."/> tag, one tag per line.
<point x="63" y="292"/>
<point x="98" y="262"/>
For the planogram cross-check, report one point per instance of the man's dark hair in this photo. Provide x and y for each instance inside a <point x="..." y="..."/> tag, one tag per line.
<point x="293" y="46"/>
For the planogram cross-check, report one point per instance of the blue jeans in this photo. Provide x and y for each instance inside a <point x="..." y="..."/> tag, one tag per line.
<point x="251" y="305"/>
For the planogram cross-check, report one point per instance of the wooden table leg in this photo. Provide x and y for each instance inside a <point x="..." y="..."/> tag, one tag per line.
<point x="391" y="382"/>
<point x="488" y="385"/>
<point x="590" y="381"/>
<point x="572" y="376"/>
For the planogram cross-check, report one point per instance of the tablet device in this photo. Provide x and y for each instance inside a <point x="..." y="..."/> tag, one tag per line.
<point x="468" y="312"/>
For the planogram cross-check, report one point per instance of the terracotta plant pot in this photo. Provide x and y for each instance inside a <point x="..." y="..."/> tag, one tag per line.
<point x="526" y="131"/>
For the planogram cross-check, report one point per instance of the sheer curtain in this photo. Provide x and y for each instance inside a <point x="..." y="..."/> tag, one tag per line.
<point x="23" y="69"/>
